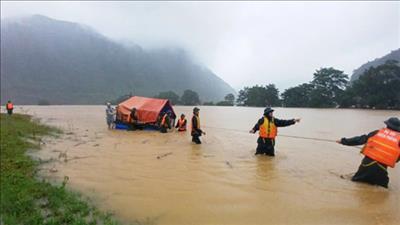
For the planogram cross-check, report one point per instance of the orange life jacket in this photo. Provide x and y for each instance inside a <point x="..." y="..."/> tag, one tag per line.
<point x="180" y="125"/>
<point x="268" y="129"/>
<point x="10" y="106"/>
<point x="383" y="147"/>
<point x="198" y="123"/>
<point x="163" y="120"/>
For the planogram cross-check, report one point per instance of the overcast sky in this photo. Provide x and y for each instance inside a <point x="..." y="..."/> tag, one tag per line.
<point x="244" y="43"/>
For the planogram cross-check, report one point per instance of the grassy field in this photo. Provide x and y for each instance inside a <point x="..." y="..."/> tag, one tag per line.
<point x="25" y="198"/>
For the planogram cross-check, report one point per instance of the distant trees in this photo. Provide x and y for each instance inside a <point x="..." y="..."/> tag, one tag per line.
<point x="378" y="87"/>
<point x="298" y="96"/>
<point x="324" y="91"/>
<point x="190" y="97"/>
<point x="170" y="95"/>
<point x="209" y="103"/>
<point x="229" y="100"/>
<point x="43" y="102"/>
<point x="259" y="96"/>
<point x="121" y="98"/>
<point x="328" y="86"/>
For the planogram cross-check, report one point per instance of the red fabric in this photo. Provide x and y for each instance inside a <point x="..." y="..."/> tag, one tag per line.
<point x="147" y="109"/>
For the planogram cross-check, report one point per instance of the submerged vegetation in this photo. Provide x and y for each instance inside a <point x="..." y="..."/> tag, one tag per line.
<point x="26" y="199"/>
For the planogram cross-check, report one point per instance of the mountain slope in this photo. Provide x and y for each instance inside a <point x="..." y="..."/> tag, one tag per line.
<point x="394" y="55"/>
<point x="68" y="63"/>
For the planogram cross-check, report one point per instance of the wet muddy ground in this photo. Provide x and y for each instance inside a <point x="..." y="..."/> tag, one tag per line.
<point x="165" y="179"/>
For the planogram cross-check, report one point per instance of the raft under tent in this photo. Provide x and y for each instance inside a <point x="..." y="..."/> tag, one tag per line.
<point x="148" y="111"/>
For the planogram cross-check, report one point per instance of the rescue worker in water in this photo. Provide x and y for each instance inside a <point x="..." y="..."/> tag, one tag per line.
<point x="268" y="130"/>
<point x="181" y="124"/>
<point x="165" y="122"/>
<point x="196" y="131"/>
<point x="381" y="149"/>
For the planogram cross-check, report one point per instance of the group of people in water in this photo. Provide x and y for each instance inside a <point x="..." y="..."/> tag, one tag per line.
<point x="381" y="147"/>
<point x="164" y="122"/>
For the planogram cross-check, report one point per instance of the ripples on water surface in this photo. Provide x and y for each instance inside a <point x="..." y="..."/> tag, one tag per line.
<point x="221" y="181"/>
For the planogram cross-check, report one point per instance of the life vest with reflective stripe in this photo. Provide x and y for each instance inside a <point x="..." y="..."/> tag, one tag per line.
<point x="198" y="123"/>
<point x="180" y="125"/>
<point x="383" y="147"/>
<point x="268" y="129"/>
<point x="10" y="106"/>
<point x="163" y="120"/>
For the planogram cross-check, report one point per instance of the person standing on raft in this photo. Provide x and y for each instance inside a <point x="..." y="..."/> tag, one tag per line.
<point x="381" y="149"/>
<point x="268" y="130"/>
<point x="196" y="131"/>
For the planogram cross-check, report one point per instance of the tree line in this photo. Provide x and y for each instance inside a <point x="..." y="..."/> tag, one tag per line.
<point x="190" y="97"/>
<point x="378" y="87"/>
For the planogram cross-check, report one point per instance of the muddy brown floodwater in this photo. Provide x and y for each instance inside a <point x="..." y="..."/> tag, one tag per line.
<point x="221" y="181"/>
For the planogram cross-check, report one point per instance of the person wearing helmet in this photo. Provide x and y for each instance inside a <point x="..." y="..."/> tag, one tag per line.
<point x="381" y="149"/>
<point x="196" y="131"/>
<point x="267" y="127"/>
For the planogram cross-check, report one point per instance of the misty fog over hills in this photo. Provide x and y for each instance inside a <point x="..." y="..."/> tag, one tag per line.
<point x="60" y="62"/>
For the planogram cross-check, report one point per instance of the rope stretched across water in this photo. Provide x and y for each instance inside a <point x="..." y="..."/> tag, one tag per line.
<point x="281" y="135"/>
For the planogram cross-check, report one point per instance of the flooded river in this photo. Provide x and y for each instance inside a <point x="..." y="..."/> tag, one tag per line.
<point x="165" y="179"/>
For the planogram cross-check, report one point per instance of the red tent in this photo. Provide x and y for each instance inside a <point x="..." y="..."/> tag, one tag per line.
<point x="147" y="109"/>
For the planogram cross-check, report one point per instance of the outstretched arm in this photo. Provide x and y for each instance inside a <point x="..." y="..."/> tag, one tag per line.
<point x="358" y="140"/>
<point x="285" y="123"/>
<point x="257" y="125"/>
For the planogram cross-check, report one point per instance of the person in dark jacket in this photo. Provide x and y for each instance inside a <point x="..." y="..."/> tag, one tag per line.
<point x="133" y="120"/>
<point x="196" y="131"/>
<point x="373" y="169"/>
<point x="267" y="127"/>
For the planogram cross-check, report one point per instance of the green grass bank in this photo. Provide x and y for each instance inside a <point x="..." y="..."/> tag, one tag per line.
<point x="27" y="199"/>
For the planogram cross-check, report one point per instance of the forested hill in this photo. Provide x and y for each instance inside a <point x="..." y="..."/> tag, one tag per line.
<point x="60" y="62"/>
<point x="394" y="55"/>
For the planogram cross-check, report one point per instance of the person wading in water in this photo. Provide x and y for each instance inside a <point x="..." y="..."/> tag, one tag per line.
<point x="381" y="149"/>
<point x="268" y="130"/>
<point x="181" y="123"/>
<point x="196" y="131"/>
<point x="165" y="123"/>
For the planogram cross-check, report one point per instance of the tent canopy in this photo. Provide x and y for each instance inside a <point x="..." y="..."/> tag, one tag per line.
<point x="147" y="109"/>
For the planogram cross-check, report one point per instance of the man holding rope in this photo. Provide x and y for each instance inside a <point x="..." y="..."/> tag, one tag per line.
<point x="382" y="149"/>
<point x="267" y="127"/>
